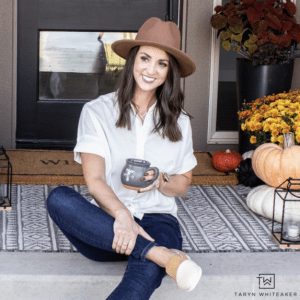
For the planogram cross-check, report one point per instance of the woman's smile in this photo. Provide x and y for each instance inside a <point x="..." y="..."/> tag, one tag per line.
<point x="148" y="79"/>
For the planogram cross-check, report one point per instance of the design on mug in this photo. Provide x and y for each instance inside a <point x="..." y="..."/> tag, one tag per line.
<point x="128" y="173"/>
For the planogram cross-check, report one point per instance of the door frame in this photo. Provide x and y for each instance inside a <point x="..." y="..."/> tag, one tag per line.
<point x="214" y="136"/>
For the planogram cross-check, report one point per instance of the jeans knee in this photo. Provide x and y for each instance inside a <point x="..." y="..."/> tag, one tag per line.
<point x="56" y="196"/>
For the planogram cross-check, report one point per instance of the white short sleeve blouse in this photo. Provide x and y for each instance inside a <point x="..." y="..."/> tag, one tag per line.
<point x="98" y="134"/>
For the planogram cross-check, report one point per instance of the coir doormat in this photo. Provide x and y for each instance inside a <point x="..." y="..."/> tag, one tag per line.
<point x="44" y="167"/>
<point x="58" y="167"/>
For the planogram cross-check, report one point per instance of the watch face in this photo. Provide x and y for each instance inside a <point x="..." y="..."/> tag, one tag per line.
<point x="166" y="177"/>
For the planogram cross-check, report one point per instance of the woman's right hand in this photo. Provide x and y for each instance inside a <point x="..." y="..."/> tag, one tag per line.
<point x="126" y="231"/>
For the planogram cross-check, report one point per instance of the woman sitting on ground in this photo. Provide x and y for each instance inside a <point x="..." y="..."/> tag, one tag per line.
<point x="144" y="120"/>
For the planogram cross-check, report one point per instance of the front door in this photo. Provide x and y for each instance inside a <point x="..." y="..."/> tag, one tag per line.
<point x="65" y="60"/>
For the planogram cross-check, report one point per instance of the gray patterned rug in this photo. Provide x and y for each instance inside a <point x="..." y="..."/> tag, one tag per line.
<point x="212" y="219"/>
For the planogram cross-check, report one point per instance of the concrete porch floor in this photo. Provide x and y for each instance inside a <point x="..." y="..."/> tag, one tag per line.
<point x="70" y="276"/>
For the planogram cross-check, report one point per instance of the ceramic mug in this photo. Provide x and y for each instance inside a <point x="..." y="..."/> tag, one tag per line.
<point x="134" y="171"/>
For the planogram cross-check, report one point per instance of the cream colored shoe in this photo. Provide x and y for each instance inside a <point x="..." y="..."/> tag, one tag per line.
<point x="185" y="271"/>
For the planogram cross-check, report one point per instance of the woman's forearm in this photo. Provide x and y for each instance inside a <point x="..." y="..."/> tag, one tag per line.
<point x="176" y="186"/>
<point x="105" y="197"/>
<point x="93" y="167"/>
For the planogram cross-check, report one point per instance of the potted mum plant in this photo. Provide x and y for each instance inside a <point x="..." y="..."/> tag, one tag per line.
<point x="265" y="34"/>
<point x="267" y="119"/>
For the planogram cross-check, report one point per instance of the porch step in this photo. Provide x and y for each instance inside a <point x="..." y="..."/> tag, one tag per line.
<point x="69" y="276"/>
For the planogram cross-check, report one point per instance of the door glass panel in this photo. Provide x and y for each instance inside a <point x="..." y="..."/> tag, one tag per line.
<point x="77" y="65"/>
<point x="227" y="100"/>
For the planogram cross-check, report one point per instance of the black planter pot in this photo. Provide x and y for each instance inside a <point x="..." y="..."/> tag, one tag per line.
<point x="257" y="81"/>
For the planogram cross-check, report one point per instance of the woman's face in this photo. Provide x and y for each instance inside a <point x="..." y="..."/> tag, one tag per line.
<point x="150" y="68"/>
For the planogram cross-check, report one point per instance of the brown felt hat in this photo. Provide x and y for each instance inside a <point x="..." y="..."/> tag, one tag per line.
<point x="161" y="34"/>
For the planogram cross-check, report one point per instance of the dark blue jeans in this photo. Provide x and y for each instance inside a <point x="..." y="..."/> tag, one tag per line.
<point x="90" y="230"/>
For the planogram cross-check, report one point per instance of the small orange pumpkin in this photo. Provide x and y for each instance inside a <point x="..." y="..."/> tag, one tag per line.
<point x="226" y="161"/>
<point x="274" y="164"/>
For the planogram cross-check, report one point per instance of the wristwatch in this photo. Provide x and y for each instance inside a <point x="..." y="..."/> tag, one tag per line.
<point x="165" y="177"/>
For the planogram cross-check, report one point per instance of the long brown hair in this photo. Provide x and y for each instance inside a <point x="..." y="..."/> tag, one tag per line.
<point x="169" y="97"/>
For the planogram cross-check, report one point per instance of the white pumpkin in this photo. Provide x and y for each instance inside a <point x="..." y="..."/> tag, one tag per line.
<point x="248" y="154"/>
<point x="261" y="201"/>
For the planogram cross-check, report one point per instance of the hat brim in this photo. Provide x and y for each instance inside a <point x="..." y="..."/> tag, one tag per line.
<point x="186" y="65"/>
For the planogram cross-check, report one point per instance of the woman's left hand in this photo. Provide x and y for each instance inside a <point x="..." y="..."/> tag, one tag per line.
<point x="155" y="185"/>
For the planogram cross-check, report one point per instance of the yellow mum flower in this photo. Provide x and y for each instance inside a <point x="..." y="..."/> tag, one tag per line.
<point x="273" y="139"/>
<point x="273" y="126"/>
<point x="282" y="95"/>
<point x="251" y="125"/>
<point x="253" y="139"/>
<point x="266" y="127"/>
<point x="286" y="129"/>
<point x="280" y="139"/>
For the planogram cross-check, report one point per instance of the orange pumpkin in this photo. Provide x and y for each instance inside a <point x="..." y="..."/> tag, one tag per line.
<point x="274" y="164"/>
<point x="226" y="161"/>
